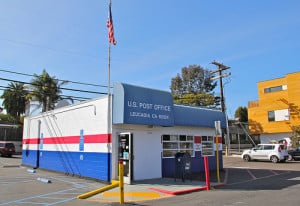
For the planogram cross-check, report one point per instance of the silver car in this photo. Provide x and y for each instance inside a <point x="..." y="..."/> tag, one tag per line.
<point x="272" y="152"/>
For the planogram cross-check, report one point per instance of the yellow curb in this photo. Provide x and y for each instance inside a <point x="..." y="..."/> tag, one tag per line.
<point x="132" y="194"/>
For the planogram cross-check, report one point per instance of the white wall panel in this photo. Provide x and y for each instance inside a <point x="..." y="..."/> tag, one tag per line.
<point x="90" y="116"/>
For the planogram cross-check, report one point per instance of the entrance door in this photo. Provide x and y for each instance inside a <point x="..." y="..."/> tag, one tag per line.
<point x="126" y="155"/>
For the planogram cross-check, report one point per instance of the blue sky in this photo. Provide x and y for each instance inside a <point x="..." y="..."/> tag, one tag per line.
<point x="258" y="39"/>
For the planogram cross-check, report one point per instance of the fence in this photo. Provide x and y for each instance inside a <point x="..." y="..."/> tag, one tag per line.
<point x="11" y="133"/>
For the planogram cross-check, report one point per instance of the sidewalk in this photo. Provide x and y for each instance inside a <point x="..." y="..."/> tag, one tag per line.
<point x="158" y="188"/>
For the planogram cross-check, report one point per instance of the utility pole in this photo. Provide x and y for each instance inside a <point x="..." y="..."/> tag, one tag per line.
<point x="221" y="68"/>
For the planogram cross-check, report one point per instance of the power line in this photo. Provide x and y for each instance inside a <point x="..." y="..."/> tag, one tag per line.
<point x="62" y="96"/>
<point x="62" y="88"/>
<point x="31" y="75"/>
<point x="74" y="97"/>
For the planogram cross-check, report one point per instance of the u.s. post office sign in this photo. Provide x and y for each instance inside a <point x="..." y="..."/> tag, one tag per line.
<point x="139" y="105"/>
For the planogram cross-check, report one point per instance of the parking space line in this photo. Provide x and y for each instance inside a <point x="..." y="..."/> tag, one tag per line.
<point x="22" y="201"/>
<point x="226" y="175"/>
<point x="274" y="172"/>
<point x="258" y="178"/>
<point x="31" y="203"/>
<point x="63" y="179"/>
<point x="59" y="202"/>
<point x="251" y="174"/>
<point x="54" y="198"/>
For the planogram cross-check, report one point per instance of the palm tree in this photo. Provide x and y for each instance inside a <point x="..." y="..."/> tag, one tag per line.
<point x="46" y="90"/>
<point x="15" y="99"/>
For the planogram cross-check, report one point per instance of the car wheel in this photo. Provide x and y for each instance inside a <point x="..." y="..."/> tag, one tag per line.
<point x="274" y="159"/>
<point x="246" y="158"/>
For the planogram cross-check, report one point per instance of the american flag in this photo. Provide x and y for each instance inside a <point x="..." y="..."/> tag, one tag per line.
<point x="110" y="27"/>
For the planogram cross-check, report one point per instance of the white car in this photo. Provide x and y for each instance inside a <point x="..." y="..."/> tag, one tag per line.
<point x="272" y="152"/>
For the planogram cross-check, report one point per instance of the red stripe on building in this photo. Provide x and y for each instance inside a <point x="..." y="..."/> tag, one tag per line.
<point x="96" y="138"/>
<point x="31" y="141"/>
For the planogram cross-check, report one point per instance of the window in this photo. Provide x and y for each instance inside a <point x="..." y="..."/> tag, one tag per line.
<point x="271" y="116"/>
<point x="259" y="147"/>
<point x="279" y="115"/>
<point x="207" y="145"/>
<point x="269" y="147"/>
<point x="177" y="143"/>
<point x="274" y="89"/>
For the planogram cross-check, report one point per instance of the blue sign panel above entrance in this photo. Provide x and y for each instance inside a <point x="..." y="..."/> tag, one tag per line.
<point x="139" y="105"/>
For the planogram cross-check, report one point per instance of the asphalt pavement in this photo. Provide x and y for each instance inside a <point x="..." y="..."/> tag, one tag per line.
<point x="26" y="186"/>
<point x="22" y="185"/>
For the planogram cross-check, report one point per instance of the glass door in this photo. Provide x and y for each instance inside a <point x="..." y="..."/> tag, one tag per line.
<point x="125" y="154"/>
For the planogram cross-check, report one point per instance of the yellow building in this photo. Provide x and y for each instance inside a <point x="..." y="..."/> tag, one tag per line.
<point x="277" y="109"/>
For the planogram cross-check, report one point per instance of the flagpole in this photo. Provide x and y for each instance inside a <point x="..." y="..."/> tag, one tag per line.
<point x="108" y="81"/>
<point x="111" y="40"/>
<point x="108" y="87"/>
<point x="109" y="112"/>
<point x="109" y="45"/>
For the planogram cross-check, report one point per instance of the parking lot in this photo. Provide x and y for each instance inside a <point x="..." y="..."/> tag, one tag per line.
<point x="23" y="186"/>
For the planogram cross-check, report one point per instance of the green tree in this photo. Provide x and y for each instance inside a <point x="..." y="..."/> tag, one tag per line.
<point x="46" y="90"/>
<point x="193" y="86"/>
<point x="201" y="99"/>
<point x="6" y="118"/>
<point x="15" y="99"/>
<point x="295" y="136"/>
<point x="242" y="114"/>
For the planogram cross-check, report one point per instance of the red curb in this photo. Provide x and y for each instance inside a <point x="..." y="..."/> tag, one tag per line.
<point x="180" y="192"/>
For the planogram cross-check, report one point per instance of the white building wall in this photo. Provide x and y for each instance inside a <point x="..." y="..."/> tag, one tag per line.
<point x="90" y="116"/>
<point x="147" y="147"/>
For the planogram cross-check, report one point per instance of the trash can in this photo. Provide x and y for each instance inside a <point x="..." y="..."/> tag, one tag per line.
<point x="182" y="166"/>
